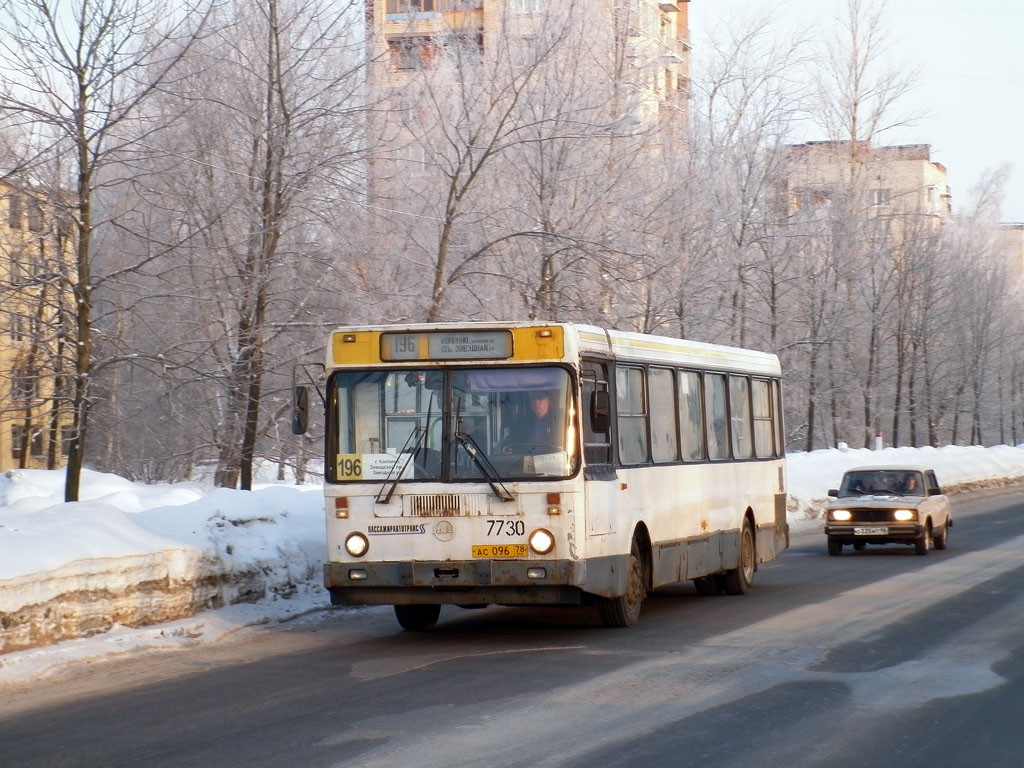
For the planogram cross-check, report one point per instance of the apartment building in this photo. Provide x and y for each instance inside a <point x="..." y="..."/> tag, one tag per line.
<point x="894" y="188"/>
<point x="648" y="37"/>
<point x="34" y="257"/>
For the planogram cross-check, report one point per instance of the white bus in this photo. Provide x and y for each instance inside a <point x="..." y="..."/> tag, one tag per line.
<point x="545" y="464"/>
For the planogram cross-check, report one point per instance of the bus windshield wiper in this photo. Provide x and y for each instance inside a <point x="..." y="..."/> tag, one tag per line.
<point x="416" y="438"/>
<point x="484" y="465"/>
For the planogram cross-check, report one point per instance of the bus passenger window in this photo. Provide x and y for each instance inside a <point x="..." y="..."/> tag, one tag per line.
<point x="664" y="437"/>
<point x="739" y="408"/>
<point x="632" y="415"/>
<point x="763" y="428"/>
<point x="717" y="416"/>
<point x="691" y="416"/>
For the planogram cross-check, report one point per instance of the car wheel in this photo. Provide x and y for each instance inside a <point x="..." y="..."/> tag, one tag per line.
<point x="738" y="580"/>
<point x="624" y="611"/>
<point x="416" y="618"/>
<point x="924" y="543"/>
<point x="834" y="548"/>
<point x="941" y="540"/>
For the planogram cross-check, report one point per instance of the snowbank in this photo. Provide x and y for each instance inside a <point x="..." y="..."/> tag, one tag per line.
<point x="133" y="555"/>
<point x="130" y="555"/>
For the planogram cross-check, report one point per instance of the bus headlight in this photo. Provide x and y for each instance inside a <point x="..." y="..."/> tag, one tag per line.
<point x="904" y="514"/>
<point x="840" y="514"/>
<point x="541" y="541"/>
<point x="356" y="544"/>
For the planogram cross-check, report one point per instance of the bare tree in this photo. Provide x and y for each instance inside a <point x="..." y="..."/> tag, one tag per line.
<point x="79" y="75"/>
<point x="267" y="167"/>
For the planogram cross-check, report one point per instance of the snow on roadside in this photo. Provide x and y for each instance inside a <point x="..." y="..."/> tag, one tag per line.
<point x="204" y="563"/>
<point x="135" y="555"/>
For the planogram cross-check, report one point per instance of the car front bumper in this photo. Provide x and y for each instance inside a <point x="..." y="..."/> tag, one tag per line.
<point x="847" y="533"/>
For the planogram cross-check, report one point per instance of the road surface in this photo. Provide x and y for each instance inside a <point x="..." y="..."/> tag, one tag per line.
<point x="875" y="658"/>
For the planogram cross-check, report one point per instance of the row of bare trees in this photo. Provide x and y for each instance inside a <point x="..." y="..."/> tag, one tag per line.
<point x="237" y="182"/>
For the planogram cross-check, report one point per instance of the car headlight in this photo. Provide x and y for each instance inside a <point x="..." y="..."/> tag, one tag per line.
<point x="840" y="514"/>
<point x="356" y="544"/>
<point x="541" y="541"/>
<point x="904" y="514"/>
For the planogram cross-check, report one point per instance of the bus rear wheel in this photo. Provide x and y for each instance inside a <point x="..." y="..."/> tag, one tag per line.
<point x="739" y="580"/>
<point x="624" y="611"/>
<point x="416" y="618"/>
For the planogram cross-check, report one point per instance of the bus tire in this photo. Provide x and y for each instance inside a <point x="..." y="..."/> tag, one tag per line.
<point x="738" y="580"/>
<point x="417" y="618"/>
<point x="708" y="585"/>
<point x="624" y="611"/>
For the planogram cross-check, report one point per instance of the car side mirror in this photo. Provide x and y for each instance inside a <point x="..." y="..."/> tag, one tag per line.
<point x="300" y="410"/>
<point x="935" y="491"/>
<point x="833" y="492"/>
<point x="600" y="410"/>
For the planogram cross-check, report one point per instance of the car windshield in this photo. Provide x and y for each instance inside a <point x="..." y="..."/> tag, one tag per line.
<point x="461" y="424"/>
<point x="882" y="482"/>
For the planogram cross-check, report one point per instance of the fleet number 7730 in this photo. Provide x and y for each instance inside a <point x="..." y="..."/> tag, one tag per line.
<point x="508" y="528"/>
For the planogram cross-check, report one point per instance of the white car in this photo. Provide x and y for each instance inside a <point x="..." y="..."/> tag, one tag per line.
<point x="888" y="505"/>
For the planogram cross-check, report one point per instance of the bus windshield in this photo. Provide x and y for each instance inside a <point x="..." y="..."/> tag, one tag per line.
<point x="456" y="424"/>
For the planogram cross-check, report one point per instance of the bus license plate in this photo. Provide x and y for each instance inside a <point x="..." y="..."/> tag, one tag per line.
<point x="499" y="550"/>
<point x="878" y="531"/>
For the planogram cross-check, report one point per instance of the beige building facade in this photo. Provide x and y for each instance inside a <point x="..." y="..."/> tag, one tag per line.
<point x="34" y="257"/>
<point x="893" y="187"/>
<point x="649" y="40"/>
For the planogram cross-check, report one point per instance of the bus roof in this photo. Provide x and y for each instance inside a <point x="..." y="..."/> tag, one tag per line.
<point x="583" y="340"/>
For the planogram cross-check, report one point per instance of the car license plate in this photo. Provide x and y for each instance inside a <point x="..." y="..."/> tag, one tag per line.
<point x="499" y="550"/>
<point x="876" y="531"/>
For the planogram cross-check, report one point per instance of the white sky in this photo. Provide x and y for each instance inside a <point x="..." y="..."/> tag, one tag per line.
<point x="972" y="74"/>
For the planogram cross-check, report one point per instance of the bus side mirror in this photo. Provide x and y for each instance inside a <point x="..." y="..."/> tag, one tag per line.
<point x="300" y="410"/>
<point x="600" y="410"/>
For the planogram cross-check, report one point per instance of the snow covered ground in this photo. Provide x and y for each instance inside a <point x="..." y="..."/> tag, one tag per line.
<point x="133" y="566"/>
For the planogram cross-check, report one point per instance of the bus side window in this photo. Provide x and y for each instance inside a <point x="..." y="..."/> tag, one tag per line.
<point x="764" y="428"/>
<point x="739" y="411"/>
<point x="597" y="445"/>
<point x="691" y="416"/>
<point x="631" y="411"/>
<point x="717" y="415"/>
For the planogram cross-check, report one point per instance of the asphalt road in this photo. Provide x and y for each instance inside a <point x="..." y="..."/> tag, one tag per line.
<point x="880" y="658"/>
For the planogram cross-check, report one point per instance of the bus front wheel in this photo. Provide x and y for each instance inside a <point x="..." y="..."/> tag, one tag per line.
<point x="739" y="580"/>
<point x="416" y="618"/>
<point x="624" y="611"/>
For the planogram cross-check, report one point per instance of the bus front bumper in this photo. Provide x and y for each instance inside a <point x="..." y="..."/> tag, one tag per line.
<point x="473" y="582"/>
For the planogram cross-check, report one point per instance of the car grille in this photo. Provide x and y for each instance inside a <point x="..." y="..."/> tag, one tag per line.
<point x="871" y="515"/>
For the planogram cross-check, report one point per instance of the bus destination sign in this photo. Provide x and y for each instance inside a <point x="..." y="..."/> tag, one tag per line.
<point x="446" y="345"/>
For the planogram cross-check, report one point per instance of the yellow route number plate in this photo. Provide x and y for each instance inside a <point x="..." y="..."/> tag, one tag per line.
<point x="499" y="550"/>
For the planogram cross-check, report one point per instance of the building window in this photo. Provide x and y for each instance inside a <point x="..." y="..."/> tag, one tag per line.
<point x="412" y="6"/>
<point x="880" y="196"/>
<point x="35" y="442"/>
<point x="15" y="205"/>
<point x="881" y="227"/>
<point x="411" y="54"/>
<point x="24" y="385"/>
<point x="528" y="6"/>
<point x="35" y="217"/>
